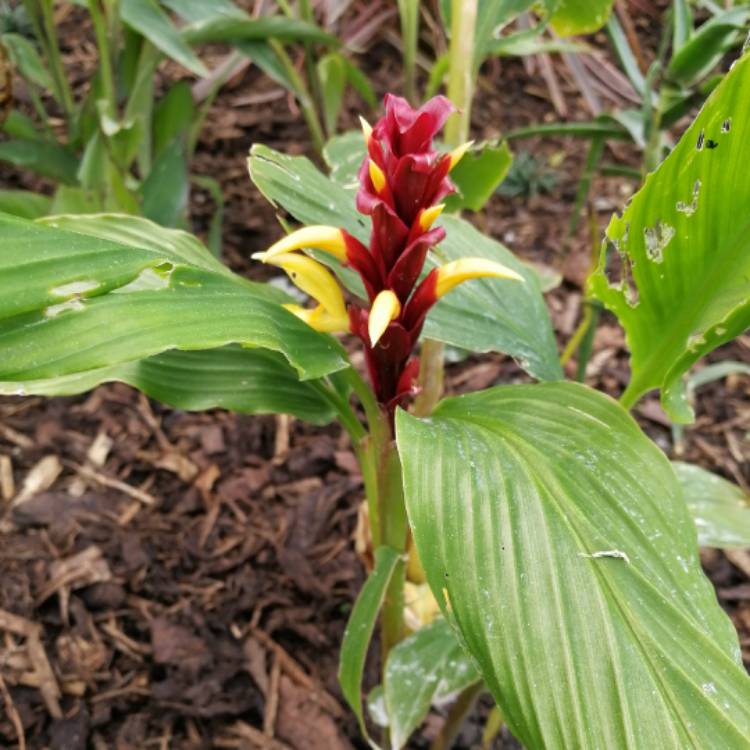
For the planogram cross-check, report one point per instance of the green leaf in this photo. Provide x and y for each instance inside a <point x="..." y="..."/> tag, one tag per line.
<point x="44" y="158"/>
<point x="425" y="668"/>
<point x="247" y="381"/>
<point x="482" y="315"/>
<point x="173" y="117"/>
<point x="229" y="29"/>
<point x="26" y="59"/>
<point x="543" y="515"/>
<point x="166" y="189"/>
<point x="360" y="627"/>
<point x="493" y="315"/>
<point x="720" y="509"/>
<point x="19" y="125"/>
<point x="478" y="174"/>
<point x="580" y="16"/>
<point x="72" y="302"/>
<point x="700" y="54"/>
<point x="24" y="203"/>
<point x="343" y="154"/>
<point x="683" y="245"/>
<point x="332" y="75"/>
<point x="360" y="83"/>
<point x="194" y="11"/>
<point x="149" y="20"/>
<point x="75" y="200"/>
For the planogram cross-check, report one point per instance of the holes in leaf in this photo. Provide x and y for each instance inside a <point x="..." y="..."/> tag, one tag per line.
<point x="726" y="125"/>
<point x="657" y="238"/>
<point x="619" y="273"/>
<point x="74" y="288"/>
<point x="690" y="208"/>
<point x="701" y="141"/>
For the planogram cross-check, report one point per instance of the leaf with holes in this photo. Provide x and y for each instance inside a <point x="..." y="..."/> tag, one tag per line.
<point x="556" y="538"/>
<point x="683" y="245"/>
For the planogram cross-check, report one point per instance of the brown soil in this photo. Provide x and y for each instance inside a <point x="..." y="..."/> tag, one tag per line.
<point x="176" y="580"/>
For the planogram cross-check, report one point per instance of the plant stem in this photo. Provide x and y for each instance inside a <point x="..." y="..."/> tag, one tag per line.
<point x="303" y="95"/>
<point x="461" y="69"/>
<point x="41" y="14"/>
<point x="460" y="92"/>
<point x="105" y="59"/>
<point x="394" y="533"/>
<point x="456" y="717"/>
<point x="409" y="12"/>
<point x="313" y="79"/>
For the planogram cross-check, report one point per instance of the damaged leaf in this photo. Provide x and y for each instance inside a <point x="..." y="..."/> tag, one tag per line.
<point x="676" y="265"/>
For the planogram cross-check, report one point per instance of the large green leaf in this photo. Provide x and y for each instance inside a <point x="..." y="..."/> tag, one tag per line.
<point x="482" y="315"/>
<point x="249" y="381"/>
<point x="425" y="668"/>
<point x="721" y="509"/>
<point x="73" y="302"/>
<point x="683" y="245"/>
<point x="149" y="20"/>
<point x="555" y="536"/>
<point x="360" y="628"/>
<point x="494" y="315"/>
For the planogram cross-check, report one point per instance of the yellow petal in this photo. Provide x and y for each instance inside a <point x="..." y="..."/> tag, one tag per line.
<point x="428" y="216"/>
<point x="385" y="308"/>
<point x="366" y="129"/>
<point x="325" y="238"/>
<point x="320" y="319"/>
<point x="377" y="176"/>
<point x="314" y="279"/>
<point x="458" y="271"/>
<point x="458" y="153"/>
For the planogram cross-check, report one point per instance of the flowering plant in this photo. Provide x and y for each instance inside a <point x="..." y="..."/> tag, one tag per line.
<point x="402" y="179"/>
<point x="552" y="534"/>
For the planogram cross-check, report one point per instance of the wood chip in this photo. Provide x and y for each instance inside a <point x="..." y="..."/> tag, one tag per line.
<point x="7" y="485"/>
<point x="40" y="478"/>
<point x="115" y="484"/>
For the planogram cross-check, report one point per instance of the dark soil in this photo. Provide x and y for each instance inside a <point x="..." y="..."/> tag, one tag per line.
<point x="176" y="580"/>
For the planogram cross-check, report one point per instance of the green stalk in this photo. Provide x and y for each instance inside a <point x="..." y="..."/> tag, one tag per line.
<point x="41" y="14"/>
<point x="313" y="79"/>
<point x="303" y="95"/>
<point x="456" y="716"/>
<point x="381" y="471"/>
<point x="460" y="92"/>
<point x="409" y="13"/>
<point x="105" y="58"/>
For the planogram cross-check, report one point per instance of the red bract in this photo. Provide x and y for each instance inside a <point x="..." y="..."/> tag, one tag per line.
<point x="401" y="176"/>
<point x="402" y="179"/>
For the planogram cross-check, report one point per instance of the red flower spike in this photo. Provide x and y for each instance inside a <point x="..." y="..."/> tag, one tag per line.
<point x="402" y="181"/>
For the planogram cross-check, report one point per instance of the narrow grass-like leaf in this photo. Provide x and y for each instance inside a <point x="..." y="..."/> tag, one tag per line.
<point x="149" y="20"/>
<point x="556" y="538"/>
<point x="360" y="627"/>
